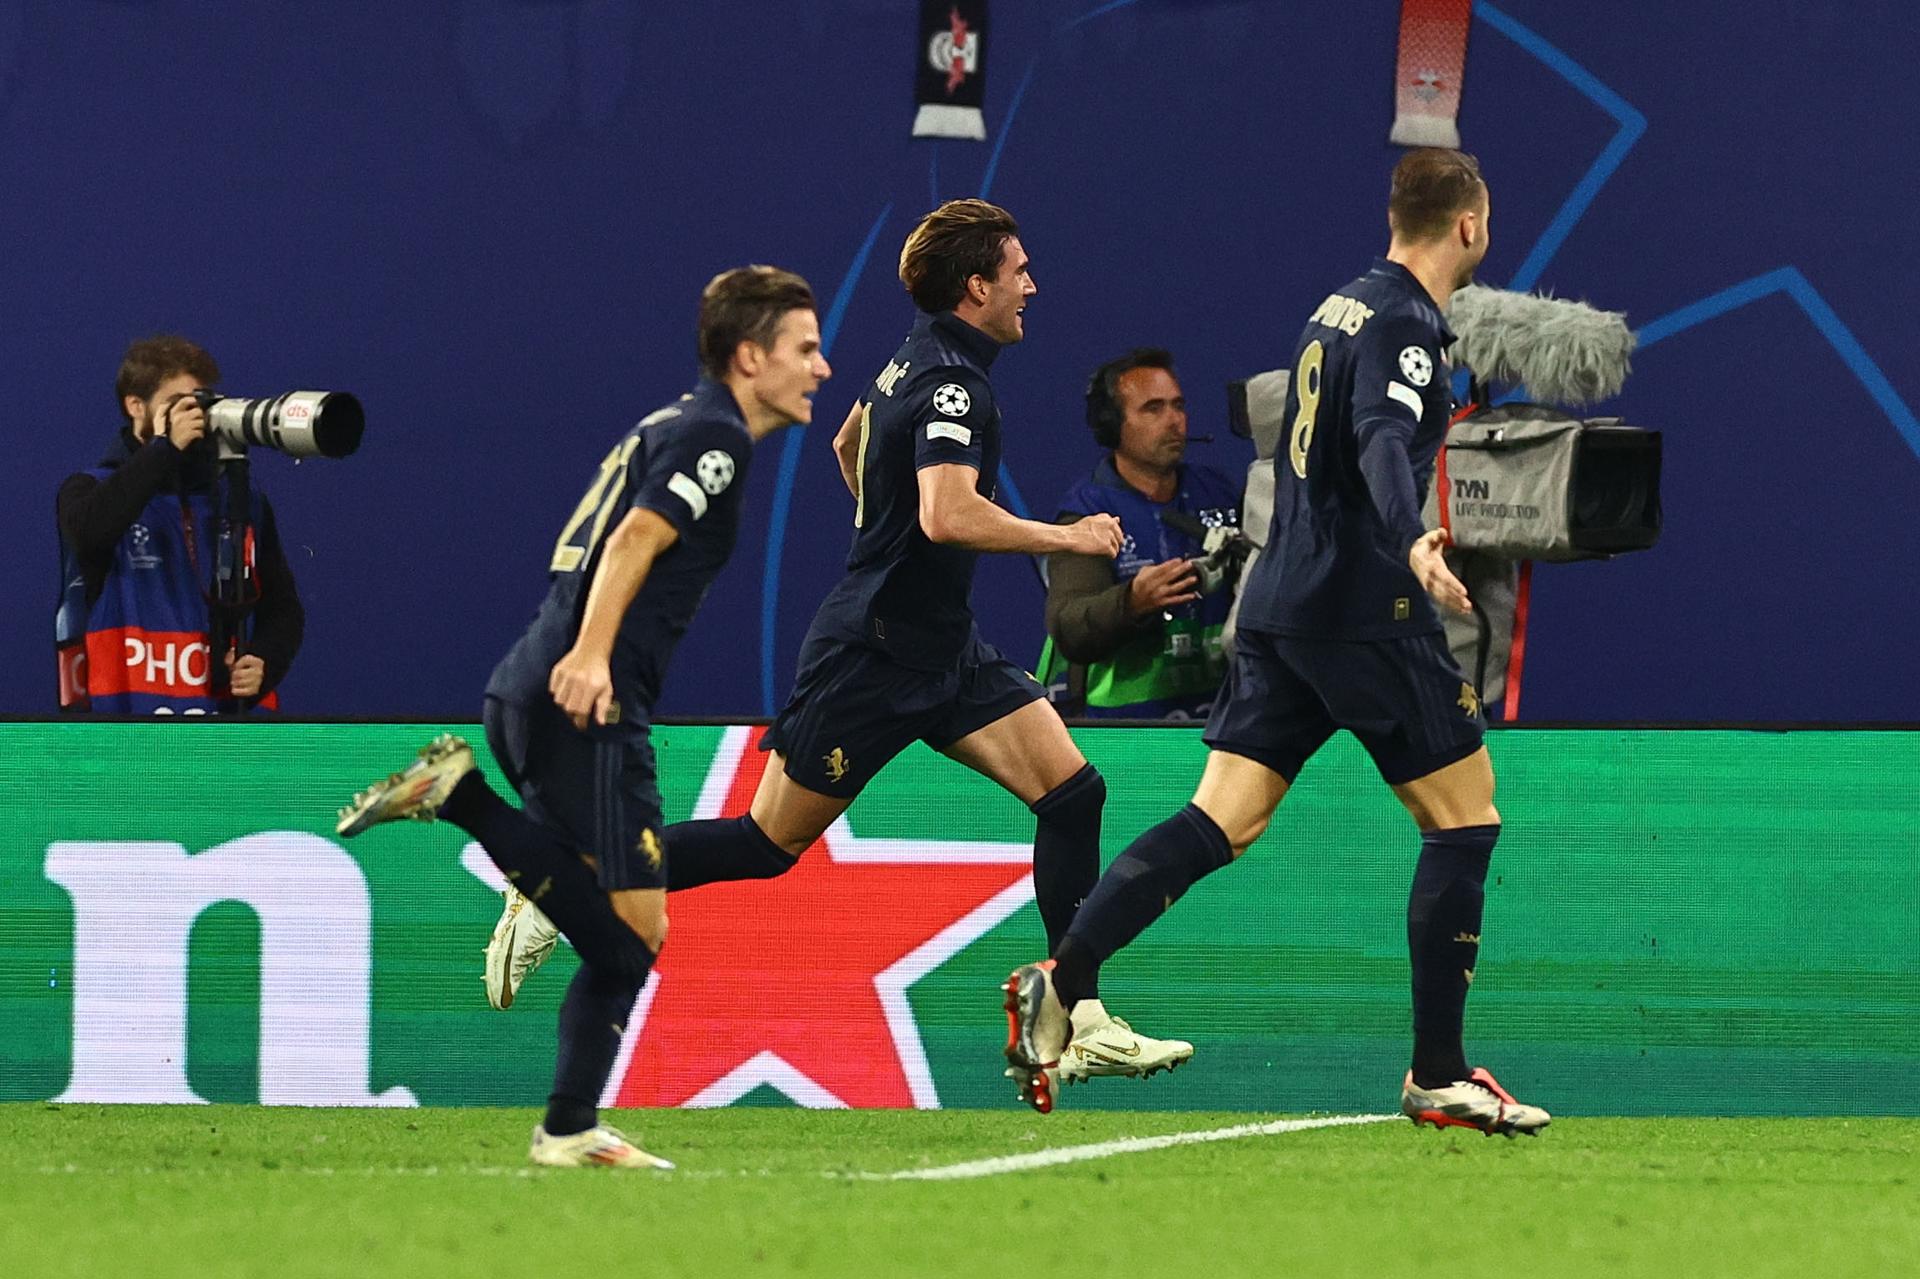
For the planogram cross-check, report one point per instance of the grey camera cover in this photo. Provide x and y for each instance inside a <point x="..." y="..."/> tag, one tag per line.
<point x="1510" y="482"/>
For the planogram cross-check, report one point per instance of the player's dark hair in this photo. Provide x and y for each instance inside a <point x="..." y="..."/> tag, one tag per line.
<point x="746" y="304"/>
<point x="1104" y="414"/>
<point x="954" y="243"/>
<point x="1431" y="187"/>
<point x="151" y="361"/>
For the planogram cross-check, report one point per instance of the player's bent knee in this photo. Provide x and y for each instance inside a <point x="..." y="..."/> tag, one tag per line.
<point x="1097" y="788"/>
<point x="792" y="839"/>
<point x="1075" y="802"/>
<point x="776" y="858"/>
<point x="654" y="935"/>
<point x="789" y="815"/>
<point x="626" y="958"/>
<point x="644" y="912"/>
<point x="1243" y="834"/>
<point x="1240" y="795"/>
<point x="1241" y="826"/>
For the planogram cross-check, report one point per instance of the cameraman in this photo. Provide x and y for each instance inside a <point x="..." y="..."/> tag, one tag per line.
<point x="140" y="536"/>
<point x="1139" y="636"/>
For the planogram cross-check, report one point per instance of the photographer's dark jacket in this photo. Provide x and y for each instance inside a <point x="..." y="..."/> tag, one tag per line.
<point x="1100" y="660"/>
<point x="139" y="539"/>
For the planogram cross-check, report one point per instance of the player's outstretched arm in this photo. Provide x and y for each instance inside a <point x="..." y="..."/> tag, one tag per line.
<point x="953" y="512"/>
<point x="846" y="447"/>
<point x="582" y="681"/>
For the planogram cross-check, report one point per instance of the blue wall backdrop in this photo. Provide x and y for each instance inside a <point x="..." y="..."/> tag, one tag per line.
<point x="491" y="219"/>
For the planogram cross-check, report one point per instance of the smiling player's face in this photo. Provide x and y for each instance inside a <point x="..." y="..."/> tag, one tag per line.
<point x="793" y="368"/>
<point x="1002" y="314"/>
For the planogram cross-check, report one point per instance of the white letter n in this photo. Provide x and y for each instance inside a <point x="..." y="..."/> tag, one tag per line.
<point x="134" y="905"/>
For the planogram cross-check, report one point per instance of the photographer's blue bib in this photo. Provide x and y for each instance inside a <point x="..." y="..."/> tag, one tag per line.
<point x="143" y="647"/>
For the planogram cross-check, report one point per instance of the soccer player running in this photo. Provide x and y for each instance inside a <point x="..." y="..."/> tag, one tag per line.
<point x="894" y="656"/>
<point x="567" y="709"/>
<point x="1336" y="631"/>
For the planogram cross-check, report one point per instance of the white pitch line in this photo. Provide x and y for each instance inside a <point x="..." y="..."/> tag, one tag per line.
<point x="1107" y="1149"/>
<point x="950" y="1172"/>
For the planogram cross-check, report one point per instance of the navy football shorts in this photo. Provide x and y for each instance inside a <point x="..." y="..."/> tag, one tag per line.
<point x="1405" y="699"/>
<point x="596" y="791"/>
<point x="854" y="708"/>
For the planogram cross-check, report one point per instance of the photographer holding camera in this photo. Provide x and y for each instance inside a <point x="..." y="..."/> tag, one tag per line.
<point x="1138" y="636"/>
<point x="148" y="547"/>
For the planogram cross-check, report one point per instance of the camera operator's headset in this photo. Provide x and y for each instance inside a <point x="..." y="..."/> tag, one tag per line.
<point x="1104" y="414"/>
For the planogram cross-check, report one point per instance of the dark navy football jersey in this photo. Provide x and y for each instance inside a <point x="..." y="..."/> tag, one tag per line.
<point x="931" y="404"/>
<point x="1372" y="360"/>
<point x="686" y="463"/>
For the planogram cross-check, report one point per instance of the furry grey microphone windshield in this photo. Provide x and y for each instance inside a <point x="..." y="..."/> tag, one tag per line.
<point x="1562" y="352"/>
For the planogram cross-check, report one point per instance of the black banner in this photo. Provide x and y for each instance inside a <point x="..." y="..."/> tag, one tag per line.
<point x="950" y="63"/>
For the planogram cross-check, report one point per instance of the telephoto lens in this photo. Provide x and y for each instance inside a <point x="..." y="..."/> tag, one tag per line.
<point x="299" y="423"/>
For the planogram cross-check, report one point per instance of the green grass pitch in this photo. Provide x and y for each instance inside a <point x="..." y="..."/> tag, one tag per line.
<point x="246" y="1191"/>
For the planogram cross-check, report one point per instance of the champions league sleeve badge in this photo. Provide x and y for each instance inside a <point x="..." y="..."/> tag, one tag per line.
<point x="952" y="400"/>
<point x="950" y="69"/>
<point x="1416" y="365"/>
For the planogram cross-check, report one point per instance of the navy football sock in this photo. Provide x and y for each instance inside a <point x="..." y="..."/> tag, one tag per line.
<point x="726" y="849"/>
<point x="1153" y="874"/>
<point x="593" y="1017"/>
<point x="614" y="962"/>
<point x="527" y="853"/>
<point x="552" y="875"/>
<point x="1066" y="850"/>
<point x="1443" y="941"/>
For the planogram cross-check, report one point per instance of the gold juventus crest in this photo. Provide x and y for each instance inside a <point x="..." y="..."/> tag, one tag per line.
<point x="837" y="764"/>
<point x="1469" y="700"/>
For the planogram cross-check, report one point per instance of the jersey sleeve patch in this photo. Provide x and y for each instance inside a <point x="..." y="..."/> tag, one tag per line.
<point x="952" y="400"/>
<point x="1416" y="365"/>
<point x="714" y="471"/>
<point x="1404" y="394"/>
<point x="953" y="418"/>
<point x="687" y="490"/>
<point x="950" y="430"/>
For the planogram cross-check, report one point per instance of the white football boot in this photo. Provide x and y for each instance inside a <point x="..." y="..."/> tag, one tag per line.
<point x="1105" y="1045"/>
<point x="415" y="793"/>
<point x="521" y="942"/>
<point x="1478" y="1101"/>
<point x="602" y="1146"/>
<point x="1037" y="1031"/>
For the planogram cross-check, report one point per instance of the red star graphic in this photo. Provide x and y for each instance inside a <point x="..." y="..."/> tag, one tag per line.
<point x="800" y="981"/>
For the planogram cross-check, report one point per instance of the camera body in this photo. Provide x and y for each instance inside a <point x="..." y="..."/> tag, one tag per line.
<point x="298" y="423"/>
<point x="1223" y="553"/>
<point x="1223" y="549"/>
